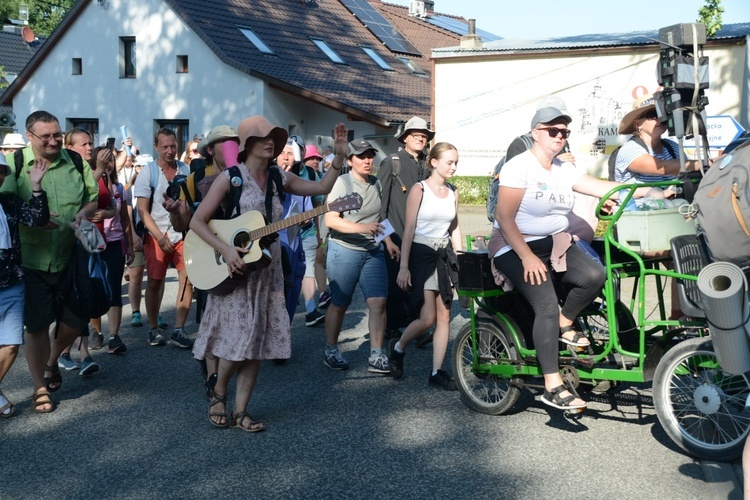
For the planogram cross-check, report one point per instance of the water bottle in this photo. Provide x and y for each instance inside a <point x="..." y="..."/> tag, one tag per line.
<point x="124" y="132"/>
<point x="653" y="204"/>
<point x="630" y="206"/>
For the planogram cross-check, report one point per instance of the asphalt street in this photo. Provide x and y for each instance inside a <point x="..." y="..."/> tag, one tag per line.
<point x="139" y="429"/>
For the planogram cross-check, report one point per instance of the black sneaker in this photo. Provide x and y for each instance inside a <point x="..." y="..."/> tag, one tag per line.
<point x="395" y="360"/>
<point x="324" y="300"/>
<point x="441" y="380"/>
<point x="116" y="345"/>
<point x="314" y="318"/>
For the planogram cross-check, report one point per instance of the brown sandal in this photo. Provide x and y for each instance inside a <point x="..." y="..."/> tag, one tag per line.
<point x="42" y="394"/>
<point x="54" y="379"/>
<point x="239" y="418"/>
<point x="215" y="399"/>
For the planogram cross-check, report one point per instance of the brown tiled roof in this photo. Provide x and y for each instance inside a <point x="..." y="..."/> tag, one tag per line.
<point x="298" y="66"/>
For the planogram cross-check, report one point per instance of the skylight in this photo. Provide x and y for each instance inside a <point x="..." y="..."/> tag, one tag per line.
<point x="255" y="39"/>
<point x="412" y="67"/>
<point x="333" y="56"/>
<point x="376" y="57"/>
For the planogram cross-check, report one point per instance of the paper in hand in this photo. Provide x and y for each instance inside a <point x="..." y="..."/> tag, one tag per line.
<point x="387" y="231"/>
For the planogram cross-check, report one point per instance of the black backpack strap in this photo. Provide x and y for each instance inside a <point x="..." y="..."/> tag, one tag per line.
<point x="233" y="199"/>
<point x="396" y="171"/>
<point x="669" y="148"/>
<point x="18" y="160"/>
<point x="74" y="157"/>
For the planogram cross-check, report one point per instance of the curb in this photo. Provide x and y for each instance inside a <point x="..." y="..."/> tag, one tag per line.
<point x="722" y="480"/>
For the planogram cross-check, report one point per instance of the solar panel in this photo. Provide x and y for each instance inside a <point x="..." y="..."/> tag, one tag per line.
<point x="380" y="27"/>
<point x="459" y="27"/>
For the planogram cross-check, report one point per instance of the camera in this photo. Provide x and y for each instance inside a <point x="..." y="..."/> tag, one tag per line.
<point x="175" y="186"/>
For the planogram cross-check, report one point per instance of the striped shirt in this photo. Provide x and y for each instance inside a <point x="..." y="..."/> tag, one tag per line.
<point x="630" y="151"/>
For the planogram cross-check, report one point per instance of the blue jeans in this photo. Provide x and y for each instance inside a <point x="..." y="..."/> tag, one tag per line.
<point x="347" y="267"/>
<point x="12" y="300"/>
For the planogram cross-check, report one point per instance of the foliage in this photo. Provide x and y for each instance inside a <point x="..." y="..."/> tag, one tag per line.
<point x="3" y="81"/>
<point x="472" y="189"/>
<point x="710" y="15"/>
<point x="44" y="15"/>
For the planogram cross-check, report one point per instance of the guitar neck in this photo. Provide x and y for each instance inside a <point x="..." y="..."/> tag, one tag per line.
<point x="277" y="226"/>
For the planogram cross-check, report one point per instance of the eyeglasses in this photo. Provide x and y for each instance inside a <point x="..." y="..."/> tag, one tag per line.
<point x="553" y="131"/>
<point x="57" y="136"/>
<point x="419" y="136"/>
<point x="649" y="115"/>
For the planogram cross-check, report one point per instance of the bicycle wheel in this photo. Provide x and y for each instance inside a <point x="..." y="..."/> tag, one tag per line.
<point x="488" y="394"/>
<point x="593" y="320"/>
<point x="700" y="407"/>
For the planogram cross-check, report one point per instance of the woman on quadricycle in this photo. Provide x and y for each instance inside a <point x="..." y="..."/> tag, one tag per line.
<point x="529" y="236"/>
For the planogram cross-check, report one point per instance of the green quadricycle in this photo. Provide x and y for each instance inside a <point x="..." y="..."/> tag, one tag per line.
<point x="700" y="406"/>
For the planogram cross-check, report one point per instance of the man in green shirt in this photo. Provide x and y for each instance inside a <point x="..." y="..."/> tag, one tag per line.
<point x="46" y="251"/>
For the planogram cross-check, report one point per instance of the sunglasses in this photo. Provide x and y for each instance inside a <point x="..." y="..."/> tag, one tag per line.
<point x="553" y="131"/>
<point x="649" y="115"/>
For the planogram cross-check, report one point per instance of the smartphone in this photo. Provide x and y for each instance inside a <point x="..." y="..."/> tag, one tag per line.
<point x="111" y="143"/>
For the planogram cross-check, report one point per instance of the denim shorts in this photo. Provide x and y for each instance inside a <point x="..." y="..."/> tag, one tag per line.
<point x="347" y="267"/>
<point x="11" y="314"/>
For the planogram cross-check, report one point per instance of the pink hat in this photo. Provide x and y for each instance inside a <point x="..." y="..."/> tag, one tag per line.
<point x="311" y="151"/>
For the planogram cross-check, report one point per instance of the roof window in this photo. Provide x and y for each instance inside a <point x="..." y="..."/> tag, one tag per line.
<point x="255" y="39"/>
<point x="332" y="55"/>
<point x="376" y="57"/>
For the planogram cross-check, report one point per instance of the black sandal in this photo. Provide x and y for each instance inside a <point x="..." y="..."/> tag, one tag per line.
<point x="555" y="400"/>
<point x="239" y="419"/>
<point x="54" y="379"/>
<point x="577" y="338"/>
<point x="214" y="400"/>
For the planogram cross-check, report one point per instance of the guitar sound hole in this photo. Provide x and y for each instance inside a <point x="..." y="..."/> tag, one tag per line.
<point x="242" y="240"/>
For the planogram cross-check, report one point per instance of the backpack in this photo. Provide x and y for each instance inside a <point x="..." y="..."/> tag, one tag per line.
<point x="494" y="182"/>
<point x="722" y="202"/>
<point x="87" y="292"/>
<point x="153" y="181"/>
<point x="613" y="157"/>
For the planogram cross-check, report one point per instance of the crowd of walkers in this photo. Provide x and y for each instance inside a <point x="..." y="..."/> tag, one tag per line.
<point x="399" y="246"/>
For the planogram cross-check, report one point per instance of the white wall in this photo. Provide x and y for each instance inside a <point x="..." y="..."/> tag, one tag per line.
<point x="482" y="104"/>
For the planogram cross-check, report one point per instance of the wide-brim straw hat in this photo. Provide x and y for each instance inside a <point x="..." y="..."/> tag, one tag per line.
<point x="258" y="126"/>
<point x="642" y="105"/>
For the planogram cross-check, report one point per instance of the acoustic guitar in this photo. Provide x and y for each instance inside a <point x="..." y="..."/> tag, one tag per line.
<point x="207" y="268"/>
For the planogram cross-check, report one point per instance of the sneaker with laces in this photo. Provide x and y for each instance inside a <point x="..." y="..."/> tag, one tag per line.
<point x="116" y="345"/>
<point x="180" y="340"/>
<point x="335" y="361"/>
<point x="395" y="360"/>
<point x="379" y="365"/>
<point x="324" y="300"/>
<point x="425" y="338"/>
<point x="441" y="380"/>
<point x="136" y="320"/>
<point x="96" y="341"/>
<point x="314" y="318"/>
<point x="161" y="322"/>
<point x="64" y="361"/>
<point x="88" y="367"/>
<point x="156" y="337"/>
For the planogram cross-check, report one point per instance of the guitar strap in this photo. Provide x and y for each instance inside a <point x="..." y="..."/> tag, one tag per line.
<point x="274" y="176"/>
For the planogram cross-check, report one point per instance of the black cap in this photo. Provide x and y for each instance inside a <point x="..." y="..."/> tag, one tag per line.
<point x="359" y="146"/>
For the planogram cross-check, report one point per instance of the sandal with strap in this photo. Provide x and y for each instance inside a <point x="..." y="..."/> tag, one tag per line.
<point x="7" y="407"/>
<point x="555" y="400"/>
<point x="579" y="338"/>
<point x="215" y="400"/>
<point x="38" y="404"/>
<point x="239" y="419"/>
<point x="54" y="379"/>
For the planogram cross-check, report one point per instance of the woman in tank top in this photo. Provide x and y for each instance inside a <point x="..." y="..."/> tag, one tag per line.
<point x="431" y="235"/>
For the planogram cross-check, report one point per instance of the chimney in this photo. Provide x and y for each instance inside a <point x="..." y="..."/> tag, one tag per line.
<point x="471" y="41"/>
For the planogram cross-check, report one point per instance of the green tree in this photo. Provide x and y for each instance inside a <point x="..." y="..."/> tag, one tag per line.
<point x="710" y="15"/>
<point x="44" y="15"/>
<point x="3" y="82"/>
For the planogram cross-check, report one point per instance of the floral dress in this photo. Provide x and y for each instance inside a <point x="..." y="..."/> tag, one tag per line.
<point x="251" y="322"/>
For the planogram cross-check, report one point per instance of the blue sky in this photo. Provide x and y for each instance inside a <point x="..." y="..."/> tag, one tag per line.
<point x="549" y="18"/>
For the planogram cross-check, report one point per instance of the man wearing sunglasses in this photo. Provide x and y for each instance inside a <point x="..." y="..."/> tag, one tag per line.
<point x="47" y="250"/>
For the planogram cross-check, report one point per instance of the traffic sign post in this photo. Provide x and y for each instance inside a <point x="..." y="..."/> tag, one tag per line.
<point x="720" y="131"/>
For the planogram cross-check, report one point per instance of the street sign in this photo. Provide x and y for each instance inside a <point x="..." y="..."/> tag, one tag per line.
<point x="720" y="131"/>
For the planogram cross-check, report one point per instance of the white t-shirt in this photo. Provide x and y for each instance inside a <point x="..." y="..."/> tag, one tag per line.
<point x="142" y="189"/>
<point x="548" y="197"/>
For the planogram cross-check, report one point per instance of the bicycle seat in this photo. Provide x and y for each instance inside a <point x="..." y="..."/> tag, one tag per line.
<point x="689" y="257"/>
